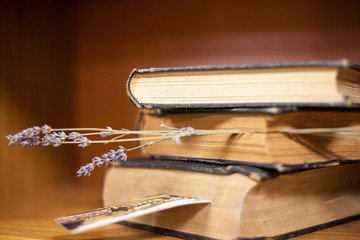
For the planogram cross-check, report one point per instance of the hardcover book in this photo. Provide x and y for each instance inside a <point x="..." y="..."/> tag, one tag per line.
<point x="246" y="202"/>
<point x="282" y="140"/>
<point x="312" y="83"/>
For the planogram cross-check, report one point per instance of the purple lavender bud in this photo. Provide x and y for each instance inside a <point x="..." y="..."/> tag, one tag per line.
<point x="61" y="135"/>
<point x="36" y="140"/>
<point x="54" y="140"/>
<point x="82" y="171"/>
<point x="36" y="130"/>
<point x="177" y="140"/>
<point x="46" y="140"/>
<point x="19" y="136"/>
<point x="85" y="170"/>
<point x="106" y="133"/>
<point x="30" y="133"/>
<point x="105" y="158"/>
<point x="121" y="153"/>
<point x="187" y="131"/>
<point x="26" y="143"/>
<point x="84" y="142"/>
<point x="46" y="129"/>
<point x="112" y="154"/>
<point x="97" y="161"/>
<point x="116" y="157"/>
<point x="90" y="167"/>
<point x="13" y="139"/>
<point x="123" y="157"/>
<point x="74" y="136"/>
<point x="24" y="134"/>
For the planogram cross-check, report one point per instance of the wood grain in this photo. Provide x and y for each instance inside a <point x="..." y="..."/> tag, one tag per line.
<point x="32" y="218"/>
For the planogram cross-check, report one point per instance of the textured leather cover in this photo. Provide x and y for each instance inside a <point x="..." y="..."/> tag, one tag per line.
<point x="255" y="173"/>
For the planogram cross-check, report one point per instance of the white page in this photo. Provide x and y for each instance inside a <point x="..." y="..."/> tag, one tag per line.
<point x="112" y="214"/>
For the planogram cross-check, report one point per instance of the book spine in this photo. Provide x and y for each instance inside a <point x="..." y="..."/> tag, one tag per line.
<point x="128" y="91"/>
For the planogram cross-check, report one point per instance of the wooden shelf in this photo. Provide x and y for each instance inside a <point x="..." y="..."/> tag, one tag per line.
<point x="33" y="218"/>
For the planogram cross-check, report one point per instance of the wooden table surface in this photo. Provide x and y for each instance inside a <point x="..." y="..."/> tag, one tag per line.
<point x="33" y="218"/>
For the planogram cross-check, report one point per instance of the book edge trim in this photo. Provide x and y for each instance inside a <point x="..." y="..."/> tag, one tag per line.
<point x="255" y="173"/>
<point x="278" y="166"/>
<point x="184" y="235"/>
<point x="251" y="106"/>
<point x="266" y="110"/>
<point x="342" y="64"/>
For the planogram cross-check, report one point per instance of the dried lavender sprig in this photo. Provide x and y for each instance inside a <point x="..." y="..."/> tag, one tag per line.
<point x="105" y="132"/>
<point x="57" y="137"/>
<point x="27" y="137"/>
<point x="111" y="156"/>
<point x="105" y="159"/>
<point x="30" y="136"/>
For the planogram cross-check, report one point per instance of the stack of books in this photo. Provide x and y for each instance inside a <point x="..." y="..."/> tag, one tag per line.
<point x="294" y="167"/>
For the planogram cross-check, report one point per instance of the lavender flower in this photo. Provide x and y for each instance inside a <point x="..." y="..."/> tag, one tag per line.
<point x="85" y="170"/>
<point x="55" y="140"/>
<point x="84" y="141"/>
<point x="187" y="131"/>
<point x="106" y="133"/>
<point x="177" y="139"/>
<point x="46" y="140"/>
<point x="46" y="129"/>
<point x="13" y="139"/>
<point x="184" y="132"/>
<point x="36" y="130"/>
<point x="27" y="137"/>
<point x="106" y="158"/>
<point x="36" y="140"/>
<point x="121" y="154"/>
<point x="61" y="135"/>
<point x="74" y="136"/>
<point x="25" y="143"/>
<point x="97" y="161"/>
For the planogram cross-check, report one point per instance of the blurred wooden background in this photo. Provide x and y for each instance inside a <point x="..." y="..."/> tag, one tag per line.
<point x="65" y="63"/>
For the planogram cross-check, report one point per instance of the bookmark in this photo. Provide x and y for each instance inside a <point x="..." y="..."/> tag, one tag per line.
<point x="112" y="214"/>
